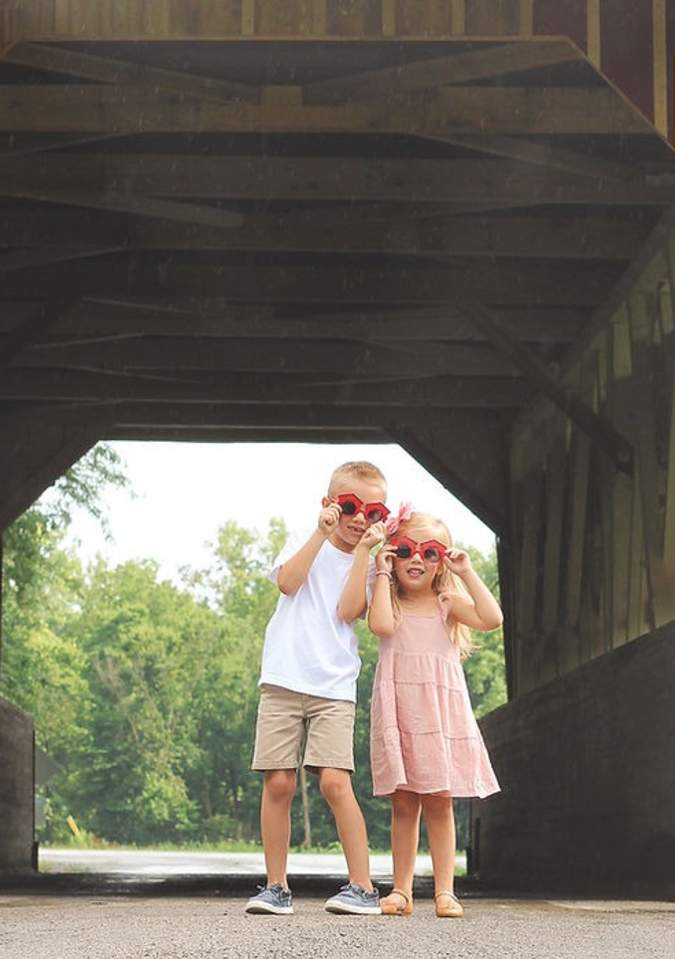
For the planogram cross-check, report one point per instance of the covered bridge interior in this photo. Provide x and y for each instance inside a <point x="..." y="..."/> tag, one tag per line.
<point x="444" y="224"/>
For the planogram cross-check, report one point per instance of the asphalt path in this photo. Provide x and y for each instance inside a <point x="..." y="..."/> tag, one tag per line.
<point x="118" y="927"/>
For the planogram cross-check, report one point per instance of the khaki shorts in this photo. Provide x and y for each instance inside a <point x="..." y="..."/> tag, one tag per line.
<point x="286" y="718"/>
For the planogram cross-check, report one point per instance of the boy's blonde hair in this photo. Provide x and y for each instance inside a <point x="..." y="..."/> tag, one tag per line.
<point x="360" y="468"/>
<point x="420" y="527"/>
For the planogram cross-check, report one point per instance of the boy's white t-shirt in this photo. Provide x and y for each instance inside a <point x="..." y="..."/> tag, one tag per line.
<point x="308" y="648"/>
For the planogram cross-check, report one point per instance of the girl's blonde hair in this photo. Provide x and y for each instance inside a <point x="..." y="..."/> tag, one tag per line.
<point x="420" y="527"/>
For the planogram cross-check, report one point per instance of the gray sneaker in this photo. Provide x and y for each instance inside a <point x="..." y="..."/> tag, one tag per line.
<point x="355" y="900"/>
<point x="272" y="899"/>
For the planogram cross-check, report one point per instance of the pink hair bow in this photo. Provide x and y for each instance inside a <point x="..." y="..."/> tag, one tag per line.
<point x="392" y="524"/>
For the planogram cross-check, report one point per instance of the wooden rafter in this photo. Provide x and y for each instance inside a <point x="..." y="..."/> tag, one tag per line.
<point x="145" y="206"/>
<point x="45" y="255"/>
<point x="433" y="237"/>
<point x="81" y="387"/>
<point x="537" y="374"/>
<point x="421" y="182"/>
<point x="551" y="285"/>
<point x="30" y="330"/>
<point x="61" y="60"/>
<point x="502" y="110"/>
<point x="111" y="319"/>
<point x="189" y="354"/>
<point x="497" y="61"/>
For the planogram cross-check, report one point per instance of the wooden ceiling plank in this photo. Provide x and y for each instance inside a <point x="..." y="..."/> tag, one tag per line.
<point x="45" y="255"/>
<point x="128" y="203"/>
<point x="425" y="183"/>
<point x="108" y="319"/>
<point x="497" y="61"/>
<point x="477" y="110"/>
<point x="56" y="59"/>
<point x="551" y="284"/>
<point x="166" y="353"/>
<point x="59" y="386"/>
<point x="30" y="330"/>
<point x="435" y="237"/>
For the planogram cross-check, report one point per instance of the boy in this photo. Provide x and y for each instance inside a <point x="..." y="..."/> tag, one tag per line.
<point x="308" y="681"/>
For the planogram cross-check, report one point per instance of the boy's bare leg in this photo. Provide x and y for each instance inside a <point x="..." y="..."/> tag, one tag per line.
<point x="405" y="830"/>
<point x="440" y="821"/>
<point x="275" y="822"/>
<point x="336" y="789"/>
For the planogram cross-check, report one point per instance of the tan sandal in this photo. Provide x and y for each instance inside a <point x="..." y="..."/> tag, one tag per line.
<point x="452" y="909"/>
<point x="392" y="909"/>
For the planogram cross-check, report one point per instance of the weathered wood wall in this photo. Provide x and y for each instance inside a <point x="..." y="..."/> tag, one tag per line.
<point x="594" y="546"/>
<point x="587" y="771"/>
<point x="631" y="42"/>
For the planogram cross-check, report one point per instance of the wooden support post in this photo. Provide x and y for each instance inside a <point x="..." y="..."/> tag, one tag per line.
<point x="248" y="17"/>
<point x="526" y="18"/>
<point x="319" y="18"/>
<point x="458" y="18"/>
<point x="389" y="18"/>
<point x="593" y="32"/>
<point x="659" y="33"/>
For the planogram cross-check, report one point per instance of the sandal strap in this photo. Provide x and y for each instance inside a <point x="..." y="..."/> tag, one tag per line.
<point x="402" y="893"/>
<point x="446" y="892"/>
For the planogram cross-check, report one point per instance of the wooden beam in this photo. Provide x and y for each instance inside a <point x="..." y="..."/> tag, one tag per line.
<point x="52" y="451"/>
<point x="502" y="110"/>
<point x="30" y="330"/>
<point x="42" y="256"/>
<point x="548" y="285"/>
<point x="112" y="319"/>
<point x="188" y="354"/>
<point x="127" y="203"/>
<point x="248" y="434"/>
<point x="422" y="182"/>
<point x="432" y="238"/>
<point x="71" y="63"/>
<point x="645" y="272"/>
<point x="498" y="60"/>
<point x="471" y="437"/>
<point x="601" y="431"/>
<point x="83" y="388"/>
<point x="537" y="154"/>
<point x="260" y="416"/>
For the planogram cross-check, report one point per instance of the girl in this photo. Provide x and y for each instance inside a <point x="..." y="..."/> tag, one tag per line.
<point x="425" y="743"/>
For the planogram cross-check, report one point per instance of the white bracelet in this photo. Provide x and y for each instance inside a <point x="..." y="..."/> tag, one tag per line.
<point x="383" y="572"/>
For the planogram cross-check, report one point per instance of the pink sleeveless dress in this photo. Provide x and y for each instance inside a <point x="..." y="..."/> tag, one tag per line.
<point x="423" y="734"/>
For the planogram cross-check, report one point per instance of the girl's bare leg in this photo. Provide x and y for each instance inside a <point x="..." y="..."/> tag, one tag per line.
<point x="440" y="820"/>
<point x="405" y="834"/>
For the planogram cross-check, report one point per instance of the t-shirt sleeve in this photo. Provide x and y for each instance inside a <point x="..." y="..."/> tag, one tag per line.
<point x="290" y="548"/>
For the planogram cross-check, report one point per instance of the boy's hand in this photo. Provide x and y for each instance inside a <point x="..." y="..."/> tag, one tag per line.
<point x="458" y="561"/>
<point x="329" y="517"/>
<point x="373" y="535"/>
<point x="384" y="560"/>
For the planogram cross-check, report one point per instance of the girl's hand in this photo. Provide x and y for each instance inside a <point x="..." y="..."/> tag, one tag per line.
<point x="329" y="517"/>
<point x="458" y="561"/>
<point x="384" y="560"/>
<point x="373" y="535"/>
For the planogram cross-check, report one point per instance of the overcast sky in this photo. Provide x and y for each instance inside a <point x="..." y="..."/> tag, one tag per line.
<point x="185" y="491"/>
